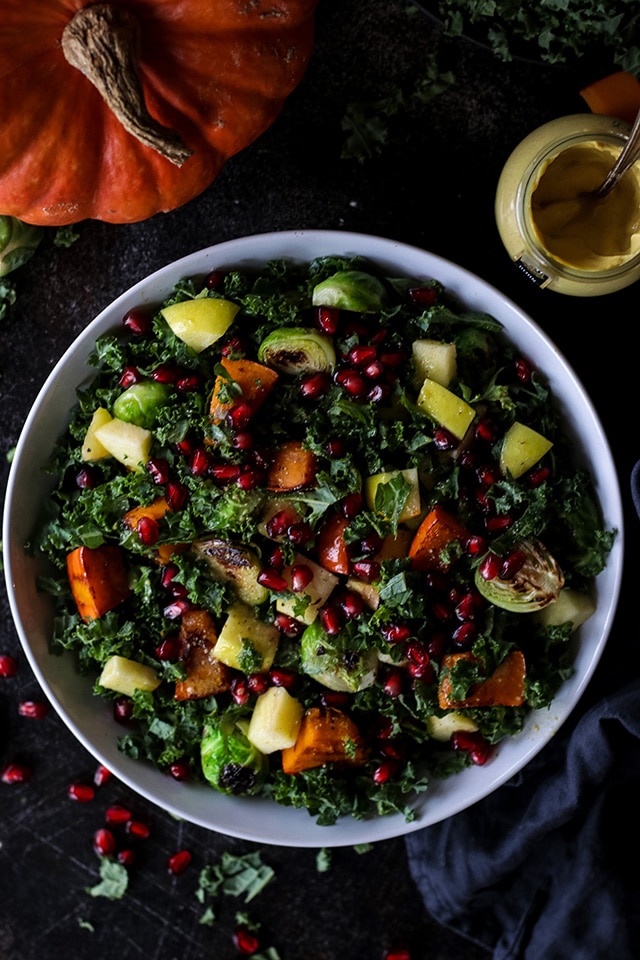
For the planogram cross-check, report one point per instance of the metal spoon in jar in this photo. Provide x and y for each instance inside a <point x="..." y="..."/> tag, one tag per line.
<point x="628" y="156"/>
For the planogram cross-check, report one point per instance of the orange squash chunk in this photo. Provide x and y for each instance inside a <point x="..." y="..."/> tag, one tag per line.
<point x="98" y="579"/>
<point x="327" y="735"/>
<point x="255" y="380"/>
<point x="332" y="549"/>
<point x="205" y="676"/>
<point x="154" y="510"/>
<point x="505" y="687"/>
<point x="438" y="529"/>
<point x="292" y="468"/>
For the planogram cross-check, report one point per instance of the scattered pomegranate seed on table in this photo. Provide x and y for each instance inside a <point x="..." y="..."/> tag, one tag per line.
<point x="178" y="862"/>
<point x="8" y="665"/>
<point x="35" y="709"/>
<point x="104" y="842"/>
<point x="81" y="792"/>
<point x="15" y="773"/>
<point x="245" y="941"/>
<point x="102" y="775"/>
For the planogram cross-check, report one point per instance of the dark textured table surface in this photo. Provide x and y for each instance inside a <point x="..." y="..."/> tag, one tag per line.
<point x="431" y="184"/>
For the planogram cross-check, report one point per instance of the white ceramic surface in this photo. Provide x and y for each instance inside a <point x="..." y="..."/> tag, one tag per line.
<point x="90" y="719"/>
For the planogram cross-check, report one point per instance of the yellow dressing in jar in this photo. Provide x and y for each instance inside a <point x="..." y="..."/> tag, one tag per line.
<point x="556" y="233"/>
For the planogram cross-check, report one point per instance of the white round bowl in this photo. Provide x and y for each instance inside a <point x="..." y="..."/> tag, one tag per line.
<point x="90" y="719"/>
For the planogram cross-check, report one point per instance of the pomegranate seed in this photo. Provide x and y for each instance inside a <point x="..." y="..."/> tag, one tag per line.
<point x="335" y="448"/>
<point x="334" y="698"/>
<point x="272" y="580"/>
<point x="464" y="635"/>
<point x="81" y="792"/>
<point x="380" y="392"/>
<point x="498" y="524"/>
<point x="331" y="620"/>
<point x="299" y="533"/>
<point x="117" y="814"/>
<point x="176" y="494"/>
<point x="245" y="942"/>
<point x="240" y="690"/>
<point x="15" y="773"/>
<point x="158" y="470"/>
<point x="392" y="358"/>
<point x="104" y="842"/>
<point x="396" y="632"/>
<point x="129" y="376"/>
<point x="239" y="415"/>
<point x="243" y="440"/>
<point x="423" y="296"/>
<point x="443" y="439"/>
<point x="394" y="683"/>
<point x="352" y="605"/>
<point x="165" y="373"/>
<point x="180" y="770"/>
<point x="35" y="709"/>
<point x="467" y="606"/>
<point x="315" y="385"/>
<point x="472" y="743"/>
<point x="188" y="383"/>
<point x="168" y="573"/>
<point x="490" y="567"/>
<point x="138" y="828"/>
<point x="282" y="677"/>
<point x="148" y="531"/>
<point x="122" y="710"/>
<point x="200" y="462"/>
<point x="487" y="476"/>
<point x="369" y="544"/>
<point x="301" y="577"/>
<point x="397" y="953"/>
<point x="280" y="522"/>
<point x="225" y="472"/>
<point x="383" y="727"/>
<point x="276" y="559"/>
<point x="351" y="505"/>
<point x="385" y="771"/>
<point x="215" y="280"/>
<point x="537" y="477"/>
<point x="258" y="683"/>
<point x="85" y="479"/>
<point x="476" y="545"/>
<point x="356" y="328"/>
<point x="178" y="862"/>
<point x="327" y="319"/>
<point x="234" y="347"/>
<point x="511" y="564"/>
<point x="126" y="857"/>
<point x="361" y="355"/>
<point x="523" y="370"/>
<point x="175" y="610"/>
<point x="288" y="625"/>
<point x="352" y="383"/>
<point x="137" y="322"/>
<point x="417" y="652"/>
<point x="102" y="775"/>
<point x="485" y="431"/>
<point x="250" y="479"/>
<point x="8" y="665"/>
<point x="422" y="671"/>
<point x="392" y="747"/>
<point x="441" y="611"/>
<point x="373" y="370"/>
<point x="435" y="645"/>
<point x="169" y="649"/>
<point x="186" y="446"/>
<point x="367" y="570"/>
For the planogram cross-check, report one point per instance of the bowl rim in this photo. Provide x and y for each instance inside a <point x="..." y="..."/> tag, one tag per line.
<point x="262" y="820"/>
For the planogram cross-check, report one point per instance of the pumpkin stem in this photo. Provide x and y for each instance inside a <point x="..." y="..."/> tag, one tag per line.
<point x="102" y="42"/>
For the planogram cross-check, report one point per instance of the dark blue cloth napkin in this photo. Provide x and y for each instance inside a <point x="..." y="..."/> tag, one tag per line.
<point x="548" y="866"/>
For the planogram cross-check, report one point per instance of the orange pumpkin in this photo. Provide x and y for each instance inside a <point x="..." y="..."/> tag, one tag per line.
<point x="117" y="111"/>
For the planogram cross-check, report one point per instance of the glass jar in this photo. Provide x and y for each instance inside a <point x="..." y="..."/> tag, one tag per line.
<point x="564" y="261"/>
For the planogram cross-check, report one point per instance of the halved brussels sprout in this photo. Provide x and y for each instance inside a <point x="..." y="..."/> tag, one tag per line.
<point x="352" y="290"/>
<point x="533" y="586"/>
<point x="140" y="403"/>
<point x="233" y="563"/>
<point x="346" y="670"/>
<point x="230" y="762"/>
<point x="297" y="350"/>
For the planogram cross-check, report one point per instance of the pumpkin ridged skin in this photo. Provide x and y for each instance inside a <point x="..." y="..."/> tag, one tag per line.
<point x="217" y="72"/>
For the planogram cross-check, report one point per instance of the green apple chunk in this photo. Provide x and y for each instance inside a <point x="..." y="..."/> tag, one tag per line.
<point x="521" y="449"/>
<point x="441" y="728"/>
<point x="92" y="449"/>
<point x="411" y="507"/>
<point x="305" y="605"/>
<point x="435" y="360"/>
<point x="275" y="720"/>
<point x="243" y="636"/>
<point x="445" y="407"/>
<point x="128" y="443"/>
<point x="200" y="322"/>
<point x="571" y="606"/>
<point x="126" y="676"/>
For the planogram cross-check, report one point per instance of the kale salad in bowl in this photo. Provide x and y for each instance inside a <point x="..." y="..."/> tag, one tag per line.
<point x="313" y="538"/>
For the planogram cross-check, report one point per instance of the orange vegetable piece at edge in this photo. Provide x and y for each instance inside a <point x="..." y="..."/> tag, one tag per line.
<point x="292" y="468"/>
<point x="438" y="529"/>
<point x="154" y="510"/>
<point x="332" y="550"/>
<point x="255" y="380"/>
<point x="326" y="735"/>
<point x="98" y="579"/>
<point x="505" y="687"/>
<point x="616" y="95"/>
